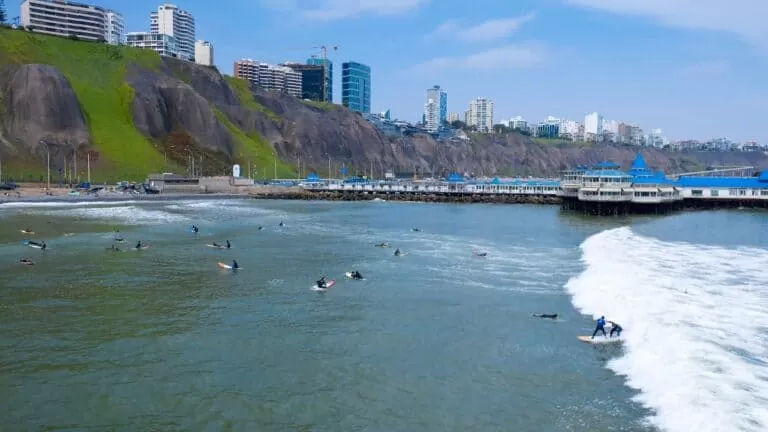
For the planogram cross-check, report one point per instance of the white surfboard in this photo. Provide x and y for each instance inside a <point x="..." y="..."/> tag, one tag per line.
<point x="598" y="339"/>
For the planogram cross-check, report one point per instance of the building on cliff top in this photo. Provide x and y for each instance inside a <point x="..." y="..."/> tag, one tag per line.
<point x="69" y="19"/>
<point x="204" y="53"/>
<point x="269" y="77"/>
<point x="312" y="81"/>
<point x="315" y="61"/>
<point x="161" y="43"/>
<point x="356" y="87"/>
<point x="180" y="24"/>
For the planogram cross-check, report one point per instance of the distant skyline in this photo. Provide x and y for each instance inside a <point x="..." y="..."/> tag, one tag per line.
<point x="694" y="72"/>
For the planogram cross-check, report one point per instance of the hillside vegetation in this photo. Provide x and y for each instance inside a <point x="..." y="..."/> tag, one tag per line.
<point x="135" y="113"/>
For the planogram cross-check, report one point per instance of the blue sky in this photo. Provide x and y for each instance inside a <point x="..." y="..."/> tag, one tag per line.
<point x="695" y="68"/>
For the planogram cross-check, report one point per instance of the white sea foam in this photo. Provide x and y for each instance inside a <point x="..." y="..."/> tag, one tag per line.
<point x="55" y="204"/>
<point x="699" y="359"/>
<point x="124" y="214"/>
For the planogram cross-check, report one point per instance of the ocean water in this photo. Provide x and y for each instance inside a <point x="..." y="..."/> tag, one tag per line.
<point x="435" y="340"/>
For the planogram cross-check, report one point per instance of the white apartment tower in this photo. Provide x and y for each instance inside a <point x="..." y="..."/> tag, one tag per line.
<point x="269" y="77"/>
<point x="593" y="127"/>
<point x="204" y="53"/>
<point x="480" y="114"/>
<point x="177" y="23"/>
<point x="432" y="115"/>
<point x="69" y="19"/>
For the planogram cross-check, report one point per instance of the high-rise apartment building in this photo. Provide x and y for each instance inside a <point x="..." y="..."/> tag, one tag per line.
<point x="452" y="117"/>
<point x="593" y="127"/>
<point x="356" y="87"/>
<point x="69" y="19"/>
<point x="432" y="115"/>
<point x="115" y="28"/>
<point x="172" y="21"/>
<point x="162" y="44"/>
<point x="204" y="53"/>
<point x="312" y="81"/>
<point x="518" y="123"/>
<point x="480" y="114"/>
<point x="315" y="61"/>
<point x="440" y="97"/>
<point x="269" y="76"/>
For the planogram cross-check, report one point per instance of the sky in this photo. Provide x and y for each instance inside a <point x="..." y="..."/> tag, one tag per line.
<point x="694" y="68"/>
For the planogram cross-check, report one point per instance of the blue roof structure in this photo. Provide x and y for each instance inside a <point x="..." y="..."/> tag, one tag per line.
<point x="455" y="178"/>
<point x="760" y="182"/>
<point x="355" y="179"/>
<point x="312" y="177"/>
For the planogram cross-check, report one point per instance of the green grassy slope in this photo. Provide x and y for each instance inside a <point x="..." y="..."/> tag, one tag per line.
<point x="96" y="72"/>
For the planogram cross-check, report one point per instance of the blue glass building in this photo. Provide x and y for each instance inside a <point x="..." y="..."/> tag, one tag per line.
<point x="356" y="87"/>
<point x="328" y="76"/>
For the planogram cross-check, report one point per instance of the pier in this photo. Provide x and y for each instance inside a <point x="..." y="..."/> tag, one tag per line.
<point x="603" y="189"/>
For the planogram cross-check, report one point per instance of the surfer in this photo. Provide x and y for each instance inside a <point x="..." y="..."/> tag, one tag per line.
<point x="44" y="246"/>
<point x="26" y="261"/>
<point x="195" y="229"/>
<point x="321" y="282"/>
<point x="385" y="244"/>
<point x="228" y="245"/>
<point x="549" y="316"/>
<point x="138" y="245"/>
<point x="600" y="327"/>
<point x="235" y="266"/>
<point x="615" y="328"/>
<point x="27" y="231"/>
<point x="397" y="252"/>
<point x="261" y="228"/>
<point x="356" y="275"/>
<point x="281" y="224"/>
<point x="416" y="229"/>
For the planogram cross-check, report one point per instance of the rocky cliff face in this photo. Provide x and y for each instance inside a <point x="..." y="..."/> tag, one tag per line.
<point x="182" y="109"/>
<point x="39" y="109"/>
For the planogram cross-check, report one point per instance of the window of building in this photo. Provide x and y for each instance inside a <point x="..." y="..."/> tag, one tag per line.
<point x="697" y="193"/>
<point x="714" y="192"/>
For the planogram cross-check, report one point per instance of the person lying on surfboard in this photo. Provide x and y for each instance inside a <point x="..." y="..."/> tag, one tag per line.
<point x="615" y="328"/>
<point x="356" y="275"/>
<point x="26" y="261"/>
<point x="600" y="327"/>
<point x="550" y="316"/>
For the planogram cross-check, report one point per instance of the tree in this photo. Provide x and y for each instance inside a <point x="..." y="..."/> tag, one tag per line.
<point x="501" y="129"/>
<point x="458" y="124"/>
<point x="3" y="15"/>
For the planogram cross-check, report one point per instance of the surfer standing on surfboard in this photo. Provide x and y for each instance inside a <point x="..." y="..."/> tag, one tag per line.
<point x="600" y="327"/>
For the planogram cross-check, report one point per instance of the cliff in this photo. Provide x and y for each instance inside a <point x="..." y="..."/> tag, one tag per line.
<point x="132" y="112"/>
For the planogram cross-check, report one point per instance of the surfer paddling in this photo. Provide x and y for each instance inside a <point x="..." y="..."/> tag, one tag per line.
<point x="548" y="316"/>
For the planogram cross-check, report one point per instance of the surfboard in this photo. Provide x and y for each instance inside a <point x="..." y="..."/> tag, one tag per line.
<point x="349" y="276"/>
<point x="216" y="246"/>
<point x="35" y="246"/>
<point x="26" y="263"/>
<point x="142" y="248"/>
<point x="28" y="232"/>
<point x="328" y="284"/>
<point x="598" y="339"/>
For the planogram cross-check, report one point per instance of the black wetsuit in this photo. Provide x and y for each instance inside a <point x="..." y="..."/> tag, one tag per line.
<point x="615" y="329"/>
<point x="550" y="316"/>
<point x="228" y="245"/>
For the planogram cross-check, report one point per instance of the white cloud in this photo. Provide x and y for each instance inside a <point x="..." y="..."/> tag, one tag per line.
<point x="708" y="69"/>
<point x="330" y="10"/>
<point x="493" y="29"/>
<point x="744" y="18"/>
<point x="515" y="56"/>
